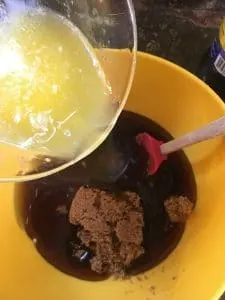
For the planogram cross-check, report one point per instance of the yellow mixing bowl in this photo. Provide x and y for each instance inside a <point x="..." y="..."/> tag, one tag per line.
<point x="196" y="269"/>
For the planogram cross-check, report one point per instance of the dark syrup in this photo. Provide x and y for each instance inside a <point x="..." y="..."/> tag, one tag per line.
<point x="43" y="204"/>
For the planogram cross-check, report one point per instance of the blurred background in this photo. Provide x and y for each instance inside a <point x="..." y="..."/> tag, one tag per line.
<point x="178" y="30"/>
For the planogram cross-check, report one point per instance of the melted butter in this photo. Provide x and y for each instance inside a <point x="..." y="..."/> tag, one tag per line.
<point x="54" y="97"/>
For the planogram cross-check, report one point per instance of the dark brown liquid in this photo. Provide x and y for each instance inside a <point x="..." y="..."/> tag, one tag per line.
<point x="44" y="204"/>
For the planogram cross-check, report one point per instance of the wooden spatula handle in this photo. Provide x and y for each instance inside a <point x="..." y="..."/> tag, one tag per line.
<point x="211" y="130"/>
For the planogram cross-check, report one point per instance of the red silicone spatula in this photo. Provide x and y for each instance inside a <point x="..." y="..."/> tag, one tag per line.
<point x="158" y="151"/>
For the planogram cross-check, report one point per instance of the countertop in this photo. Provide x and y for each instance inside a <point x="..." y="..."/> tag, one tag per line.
<point x="178" y="30"/>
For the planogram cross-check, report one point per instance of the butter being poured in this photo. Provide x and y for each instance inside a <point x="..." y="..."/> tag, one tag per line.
<point x="54" y="97"/>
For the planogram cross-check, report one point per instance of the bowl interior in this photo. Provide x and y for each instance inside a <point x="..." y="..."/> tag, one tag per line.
<point x="179" y="102"/>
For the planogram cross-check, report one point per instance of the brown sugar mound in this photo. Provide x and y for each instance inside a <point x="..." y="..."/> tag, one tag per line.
<point x="111" y="226"/>
<point x="178" y="208"/>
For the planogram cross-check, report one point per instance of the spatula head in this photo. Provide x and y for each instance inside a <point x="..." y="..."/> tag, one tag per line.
<point x="152" y="147"/>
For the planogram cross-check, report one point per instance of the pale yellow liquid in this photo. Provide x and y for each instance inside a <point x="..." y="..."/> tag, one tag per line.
<point x="54" y="97"/>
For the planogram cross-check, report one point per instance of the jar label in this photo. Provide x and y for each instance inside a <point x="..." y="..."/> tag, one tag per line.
<point x="218" y="57"/>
